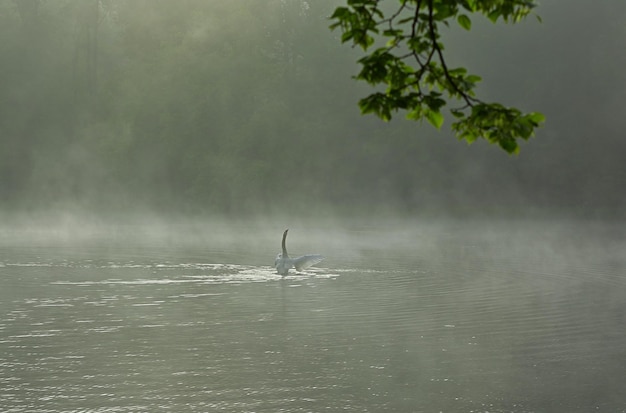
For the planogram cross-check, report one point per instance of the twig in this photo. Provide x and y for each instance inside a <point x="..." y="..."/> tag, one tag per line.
<point x="433" y="37"/>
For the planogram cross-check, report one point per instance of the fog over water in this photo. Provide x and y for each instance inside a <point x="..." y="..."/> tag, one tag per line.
<point x="403" y="316"/>
<point x="153" y="152"/>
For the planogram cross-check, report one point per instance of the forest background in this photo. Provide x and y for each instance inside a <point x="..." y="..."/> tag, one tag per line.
<point x="248" y="108"/>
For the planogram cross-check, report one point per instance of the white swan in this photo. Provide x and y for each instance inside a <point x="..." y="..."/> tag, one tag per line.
<point x="283" y="263"/>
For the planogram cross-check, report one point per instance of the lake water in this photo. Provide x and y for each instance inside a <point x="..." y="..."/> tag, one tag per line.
<point x="409" y="317"/>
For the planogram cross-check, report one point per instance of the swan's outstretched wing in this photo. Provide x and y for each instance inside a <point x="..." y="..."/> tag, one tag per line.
<point x="305" y="261"/>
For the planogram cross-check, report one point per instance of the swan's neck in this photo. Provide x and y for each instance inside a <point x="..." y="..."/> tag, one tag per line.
<point x="284" y="244"/>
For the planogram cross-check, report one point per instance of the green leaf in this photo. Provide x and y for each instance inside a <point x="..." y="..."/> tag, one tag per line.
<point x="457" y="113"/>
<point x="347" y="36"/>
<point x="458" y="71"/>
<point x="435" y="118"/>
<point x="469" y="136"/>
<point x="509" y="145"/>
<point x="464" y="22"/>
<point x="494" y="15"/>
<point x="377" y="103"/>
<point x="443" y="11"/>
<point x="434" y="101"/>
<point x="536" y="118"/>
<point x="341" y="13"/>
<point x="392" y="33"/>
<point x="469" y="5"/>
<point x="523" y="128"/>
<point x="415" y="114"/>
<point x="473" y="78"/>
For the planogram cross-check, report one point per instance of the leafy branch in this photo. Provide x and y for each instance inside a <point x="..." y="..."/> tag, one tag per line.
<point x="413" y="68"/>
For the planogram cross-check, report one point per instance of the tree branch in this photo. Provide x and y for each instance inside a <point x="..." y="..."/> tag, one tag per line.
<point x="433" y="37"/>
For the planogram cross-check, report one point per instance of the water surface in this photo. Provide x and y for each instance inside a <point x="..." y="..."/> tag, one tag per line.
<point x="474" y="317"/>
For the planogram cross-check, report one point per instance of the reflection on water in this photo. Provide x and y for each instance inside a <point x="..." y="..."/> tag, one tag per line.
<point x="450" y="319"/>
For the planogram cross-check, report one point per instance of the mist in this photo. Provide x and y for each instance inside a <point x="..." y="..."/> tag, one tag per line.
<point x="152" y="152"/>
<point x="245" y="109"/>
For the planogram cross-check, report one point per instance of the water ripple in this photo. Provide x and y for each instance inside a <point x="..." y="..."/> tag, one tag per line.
<point x="464" y="327"/>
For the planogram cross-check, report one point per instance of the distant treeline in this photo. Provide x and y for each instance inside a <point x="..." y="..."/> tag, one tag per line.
<point x="248" y="107"/>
